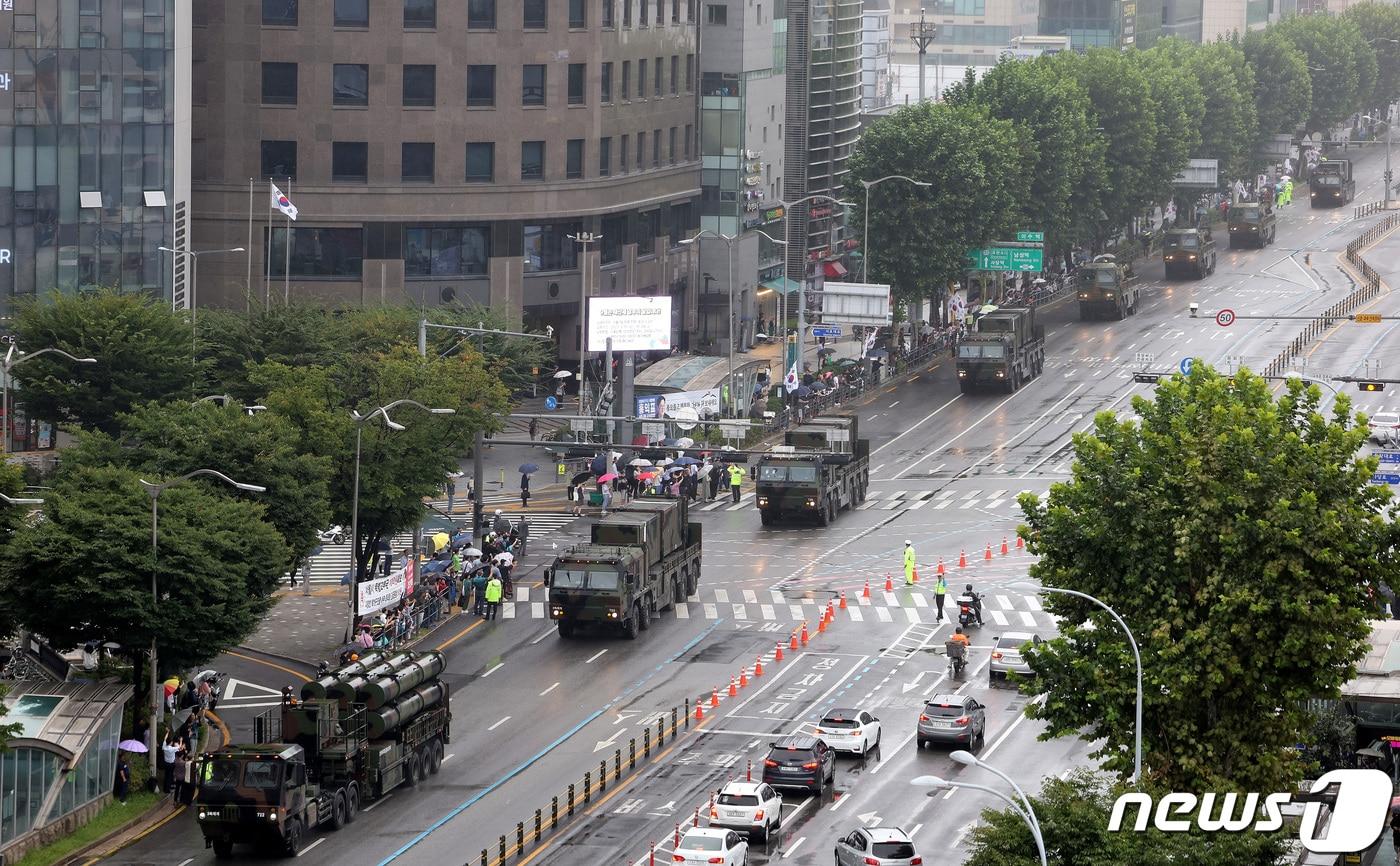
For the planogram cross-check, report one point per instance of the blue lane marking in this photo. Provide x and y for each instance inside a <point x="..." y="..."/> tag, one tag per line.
<point x="547" y="749"/>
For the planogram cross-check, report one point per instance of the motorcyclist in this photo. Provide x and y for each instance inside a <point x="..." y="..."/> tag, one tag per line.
<point x="976" y="602"/>
<point x="959" y="637"/>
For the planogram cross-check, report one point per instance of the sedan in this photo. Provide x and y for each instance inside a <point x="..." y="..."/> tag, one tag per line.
<point x="853" y="731"/>
<point x="1384" y="428"/>
<point x="712" y="845"/>
<point x="877" y="846"/>
<point x="1007" y="657"/>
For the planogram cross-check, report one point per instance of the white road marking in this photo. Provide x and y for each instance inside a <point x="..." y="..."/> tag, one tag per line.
<point x="548" y="690"/>
<point x="498" y="724"/>
<point x="682" y="610"/>
<point x="495" y="668"/>
<point x="595" y="656"/>
<point x="916" y="426"/>
<point x="791" y="848"/>
<point x="376" y="804"/>
<point x="312" y="845"/>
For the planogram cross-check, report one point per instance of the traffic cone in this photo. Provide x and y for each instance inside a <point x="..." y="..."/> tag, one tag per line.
<point x="792" y="641"/>
<point x="700" y="710"/>
<point x="743" y="677"/>
<point x="865" y="593"/>
<point x="733" y="688"/>
<point x="804" y="632"/>
<point x="821" y="624"/>
<point x="962" y="559"/>
<point x="714" y="698"/>
<point x="889" y="584"/>
<point x="778" y="656"/>
<point x="988" y="556"/>
<point x="1004" y="551"/>
<point x="843" y="599"/>
<point x="1020" y="543"/>
<point x="758" y="667"/>
<point x="830" y="610"/>
<point x="941" y="569"/>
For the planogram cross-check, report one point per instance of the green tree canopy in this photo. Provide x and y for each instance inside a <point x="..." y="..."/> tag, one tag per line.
<point x="1234" y="534"/>
<point x="1342" y="65"/>
<point x="975" y="165"/>
<point x="1230" y="126"/>
<point x="1180" y="104"/>
<point x="1380" y="24"/>
<point x="142" y="347"/>
<point x="1282" y="85"/>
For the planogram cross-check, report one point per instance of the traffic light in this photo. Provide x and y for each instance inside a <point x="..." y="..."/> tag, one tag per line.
<point x="1147" y="378"/>
<point x="1370" y="386"/>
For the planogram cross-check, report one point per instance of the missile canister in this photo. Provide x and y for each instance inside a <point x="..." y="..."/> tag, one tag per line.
<point x="378" y="691"/>
<point x="343" y="689"/>
<point x="387" y="718"/>
<point x="316" y="689"/>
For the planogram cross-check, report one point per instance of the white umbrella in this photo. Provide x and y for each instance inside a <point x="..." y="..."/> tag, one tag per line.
<point x="759" y="335"/>
<point x="471" y="552"/>
<point x="563" y="374"/>
<point x="505" y="559"/>
<point x="640" y="461"/>
<point x="705" y="469"/>
<point x="664" y="461"/>
<point x="614" y="454"/>
<point x="684" y="442"/>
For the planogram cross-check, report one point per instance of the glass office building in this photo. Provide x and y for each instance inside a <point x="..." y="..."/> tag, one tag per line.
<point x="90" y="162"/>
<point x="1102" y="23"/>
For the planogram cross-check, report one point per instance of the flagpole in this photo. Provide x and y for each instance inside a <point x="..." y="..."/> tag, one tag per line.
<point x="267" y="254"/>
<point x="248" y="282"/>
<point x="287" y="255"/>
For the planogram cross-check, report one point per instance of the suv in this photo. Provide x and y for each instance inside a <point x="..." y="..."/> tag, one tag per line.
<point x="800" y="761"/>
<point x="953" y="719"/>
<point x="749" y="807"/>
<point x="1007" y="658"/>
<point x="1385" y="428"/>
<point x="877" y="846"/>
<point x="1189" y="251"/>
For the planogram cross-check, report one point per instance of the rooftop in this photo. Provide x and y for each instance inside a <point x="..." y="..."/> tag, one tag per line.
<point x="61" y="717"/>
<point x="1376" y="678"/>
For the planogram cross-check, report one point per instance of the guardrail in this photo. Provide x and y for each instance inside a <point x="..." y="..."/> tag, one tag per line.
<point x="1366" y="210"/>
<point x="1370" y="287"/>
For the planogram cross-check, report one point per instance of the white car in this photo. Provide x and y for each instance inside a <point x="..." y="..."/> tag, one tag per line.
<point x="1385" y="428"/>
<point x="749" y="807"/>
<point x="712" y="845"/>
<point x="847" y="730"/>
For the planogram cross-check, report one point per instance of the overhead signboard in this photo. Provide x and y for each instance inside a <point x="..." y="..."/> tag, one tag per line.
<point x="1200" y="174"/>
<point x="704" y="403"/>
<point x="1006" y="259"/>
<point x="635" y="324"/>
<point x="1031" y="237"/>
<point x="855" y="304"/>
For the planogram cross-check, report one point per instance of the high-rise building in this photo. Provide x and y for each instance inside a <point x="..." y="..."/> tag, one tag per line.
<point x="446" y="150"/>
<point x="1182" y="18"/>
<point x="1103" y="23"/>
<point x="742" y="116"/>
<point x="875" y="56"/>
<point x="94" y="146"/>
<point x="965" y="33"/>
<point x="1223" y="18"/>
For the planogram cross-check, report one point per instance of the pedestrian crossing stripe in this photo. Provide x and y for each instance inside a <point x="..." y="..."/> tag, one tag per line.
<point x="795" y="615"/>
<point x="972" y="499"/>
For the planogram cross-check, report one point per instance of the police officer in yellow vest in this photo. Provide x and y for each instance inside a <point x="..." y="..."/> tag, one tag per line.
<point x="908" y="563"/>
<point x="494" y="591"/>
<point x="736" y="479"/>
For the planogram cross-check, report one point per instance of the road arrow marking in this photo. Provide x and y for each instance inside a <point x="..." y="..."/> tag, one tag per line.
<point x="870" y="819"/>
<point x="231" y="684"/>
<point x="909" y="687"/>
<point x="624" y="716"/>
<point x="607" y="744"/>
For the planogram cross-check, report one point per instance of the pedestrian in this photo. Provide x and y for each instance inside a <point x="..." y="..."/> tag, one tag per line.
<point x="122" y="785"/>
<point x="714" y="481"/>
<point x="501" y="525"/>
<point x="494" y="591"/>
<point x="909" y="569"/>
<point x="177" y="772"/>
<point x="940" y="589"/>
<point x="534" y="428"/>
<point x="451" y="486"/>
<point x="736" y="480"/>
<point x="522" y="529"/>
<point x="168" y="754"/>
<point x="364" y="639"/>
<point x="1288" y="190"/>
<point x="187" y="777"/>
<point x="524" y="490"/>
<point x="606" y="493"/>
<point x="479" y="579"/>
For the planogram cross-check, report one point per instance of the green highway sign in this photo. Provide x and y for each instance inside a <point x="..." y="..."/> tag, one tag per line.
<point x="1031" y="237"/>
<point x="1006" y="259"/>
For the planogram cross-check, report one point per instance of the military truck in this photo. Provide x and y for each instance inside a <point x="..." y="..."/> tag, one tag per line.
<point x="794" y="482"/>
<point x="355" y="734"/>
<point x="1007" y="348"/>
<point x="1252" y="223"/>
<point x="642" y="559"/>
<point x="1106" y="289"/>
<point x="1331" y="183"/>
<point x="1189" y="252"/>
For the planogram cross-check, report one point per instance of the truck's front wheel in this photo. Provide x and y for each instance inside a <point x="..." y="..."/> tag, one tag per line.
<point x="338" y="811"/>
<point x="764" y="516"/>
<point x="223" y="848"/>
<point x="629" y="623"/>
<point x="644" y="613"/>
<point x="291" y="838"/>
<point x="352" y="802"/>
<point x="566" y="628"/>
<point x="410" y="770"/>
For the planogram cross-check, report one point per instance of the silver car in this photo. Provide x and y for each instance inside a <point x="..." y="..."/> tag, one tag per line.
<point x="1008" y="658"/>
<point x="877" y="846"/>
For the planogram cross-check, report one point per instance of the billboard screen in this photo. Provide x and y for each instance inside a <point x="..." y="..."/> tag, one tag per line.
<point x="635" y="324"/>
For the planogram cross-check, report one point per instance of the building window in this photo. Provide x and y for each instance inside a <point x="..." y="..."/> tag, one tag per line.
<point x="689" y="132"/>
<point x="578" y="14"/>
<point x="532" y="84"/>
<point x="604" y="157"/>
<point x="660" y="11"/>
<point x="690" y="73"/>
<point x="279" y="84"/>
<point x="419" y="85"/>
<point x="481" y="161"/>
<point x="656" y="90"/>
<point x="337" y="253"/>
<point x="622" y="152"/>
<point x="655" y="148"/>
<point x="417" y="162"/>
<point x="573" y="159"/>
<point x="352" y="13"/>
<point x="675" y="73"/>
<point x="672" y="150"/>
<point x="641" y="151"/>
<point x="648" y="226"/>
<point x="605" y="89"/>
<point x="549" y="247"/>
<point x="626" y="13"/>
<point x="614" y="236"/>
<point x="536" y="14"/>
<point x="282" y="13"/>
<point x="481" y="14"/>
<point x="419" y="13"/>
<point x="642" y="13"/>
<point x="350" y="84"/>
<point x="532" y="160"/>
<point x="350" y="161"/>
<point x="453" y="251"/>
<point x="626" y="80"/>
<point x="675" y="11"/>
<point x="481" y="85"/>
<point x="576" y="77"/>
<point x="642" y="79"/>
<point x="680" y="222"/>
<point x="716" y="14"/>
<point x="279" y="159"/>
<point x="608" y="13"/>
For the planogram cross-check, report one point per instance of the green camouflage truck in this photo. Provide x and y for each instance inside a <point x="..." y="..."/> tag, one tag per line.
<point x="355" y="734"/>
<point x="1252" y="223"/>
<point x="1106" y="289"/>
<point x="1006" y="350"/>
<point x="814" y="486"/>
<point x="642" y="559"/>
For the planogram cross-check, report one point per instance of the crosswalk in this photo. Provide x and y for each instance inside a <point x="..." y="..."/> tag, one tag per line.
<point x="995" y="500"/>
<point x="333" y="562"/>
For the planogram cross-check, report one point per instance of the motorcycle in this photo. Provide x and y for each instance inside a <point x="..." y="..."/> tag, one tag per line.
<point x="957" y="658"/>
<point x="967" y="611"/>
<point x="333" y="535"/>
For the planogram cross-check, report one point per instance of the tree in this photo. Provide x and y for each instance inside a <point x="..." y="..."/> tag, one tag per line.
<point x="12" y="518"/>
<point x="974" y="163"/>
<point x="1282" y="85"/>
<point x="1180" y="106"/>
<point x="1342" y="64"/>
<point x="142" y="347"/>
<point x="1230" y="125"/>
<point x="1380" y="23"/>
<point x="1074" y="815"/>
<point x="1234" y="534"/>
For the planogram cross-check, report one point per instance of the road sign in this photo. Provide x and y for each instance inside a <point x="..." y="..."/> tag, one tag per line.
<point x="1367" y="318"/>
<point x="1144" y="359"/>
<point x="733" y="431"/>
<point x="1006" y="259"/>
<point x="1225" y="318"/>
<point x="1031" y="237"/>
<point x="581" y="425"/>
<point x="826" y="331"/>
<point x="1390" y="456"/>
<point x="1386" y="478"/>
<point x="1185" y="366"/>
<point x="551" y="403"/>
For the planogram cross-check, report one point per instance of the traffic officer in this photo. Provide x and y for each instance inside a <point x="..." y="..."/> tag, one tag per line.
<point x="494" y="590"/>
<point x="940" y="589"/>
<point x="908" y="563"/>
<point x="736" y="479"/>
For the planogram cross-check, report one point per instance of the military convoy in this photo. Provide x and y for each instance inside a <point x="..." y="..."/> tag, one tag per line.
<point x="1189" y="252"/>
<point x="1106" y="289"/>
<point x="1331" y="183"/>
<point x="642" y="559"/>
<point x="791" y="481"/>
<point x="355" y="734"/>
<point x="1006" y="350"/>
<point x="1252" y="223"/>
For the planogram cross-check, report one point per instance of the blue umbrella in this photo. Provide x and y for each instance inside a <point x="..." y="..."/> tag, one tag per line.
<point x="434" y="566"/>
<point x="528" y="468"/>
<point x="803" y="392"/>
<point x="877" y="353"/>
<point x="685" y="460"/>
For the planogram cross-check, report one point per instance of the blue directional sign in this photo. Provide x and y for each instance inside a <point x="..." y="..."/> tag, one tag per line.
<point x="1186" y="366"/>
<point x="1386" y="478"/>
<point x="551" y="403"/>
<point x="1390" y="456"/>
<point x="826" y="331"/>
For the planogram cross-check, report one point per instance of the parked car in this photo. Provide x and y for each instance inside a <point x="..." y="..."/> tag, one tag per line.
<point x="800" y="761"/>
<point x="1385" y="428"/>
<point x="956" y="719"/>
<point x="877" y="846"/>
<point x="749" y="807"/>
<point x="1007" y="657"/>
<point x="848" y="730"/>
<point x="712" y="845"/>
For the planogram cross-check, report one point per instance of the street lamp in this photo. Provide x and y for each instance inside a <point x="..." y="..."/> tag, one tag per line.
<point x="787" y="259"/>
<point x="360" y="421"/>
<point x="967" y="759"/>
<point x="194" y="281"/>
<point x="865" y="239"/>
<point x="1389" y="138"/>
<point x="224" y="400"/>
<point x="1303" y="377"/>
<point x="938" y="783"/>
<point x="1026" y="586"/>
<point x="729" y="247"/>
<point x="155" y="490"/>
<point x="9" y="364"/>
<point x="20" y="500"/>
<point x="583" y="239"/>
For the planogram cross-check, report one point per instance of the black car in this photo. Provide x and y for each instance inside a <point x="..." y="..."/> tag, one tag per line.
<point x="800" y="761"/>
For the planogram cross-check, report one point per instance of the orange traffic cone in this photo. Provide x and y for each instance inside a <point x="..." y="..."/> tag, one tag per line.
<point x="889" y="584"/>
<point x="830" y="610"/>
<point x="941" y="569"/>
<point x="1004" y="550"/>
<point x="804" y="632"/>
<point x="743" y="677"/>
<point x="700" y="710"/>
<point x="792" y="640"/>
<point x="758" y="667"/>
<point x="962" y="559"/>
<point x="1020" y="543"/>
<point x="778" y="656"/>
<point x="989" y="552"/>
<point x="733" y="688"/>
<point x="714" y="698"/>
<point x="821" y="624"/>
<point x="843" y="599"/>
<point x="865" y="593"/>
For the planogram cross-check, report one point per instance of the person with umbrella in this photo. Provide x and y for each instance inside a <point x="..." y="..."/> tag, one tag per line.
<point x="526" y="470"/>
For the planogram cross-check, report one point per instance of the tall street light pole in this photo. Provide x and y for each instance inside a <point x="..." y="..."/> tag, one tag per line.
<point x="9" y="363"/>
<point x="940" y="784"/>
<point x="193" y="256"/>
<point x="1388" y="139"/>
<point x="729" y="247"/>
<point x="865" y="239"/>
<point x="1025" y="586"/>
<point x="360" y="421"/>
<point x="923" y="35"/>
<point x="155" y="490"/>
<point x="787" y="259"/>
<point x="583" y="239"/>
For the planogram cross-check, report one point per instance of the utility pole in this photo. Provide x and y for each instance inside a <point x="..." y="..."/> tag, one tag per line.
<point x="923" y="35"/>
<point x="583" y="239"/>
